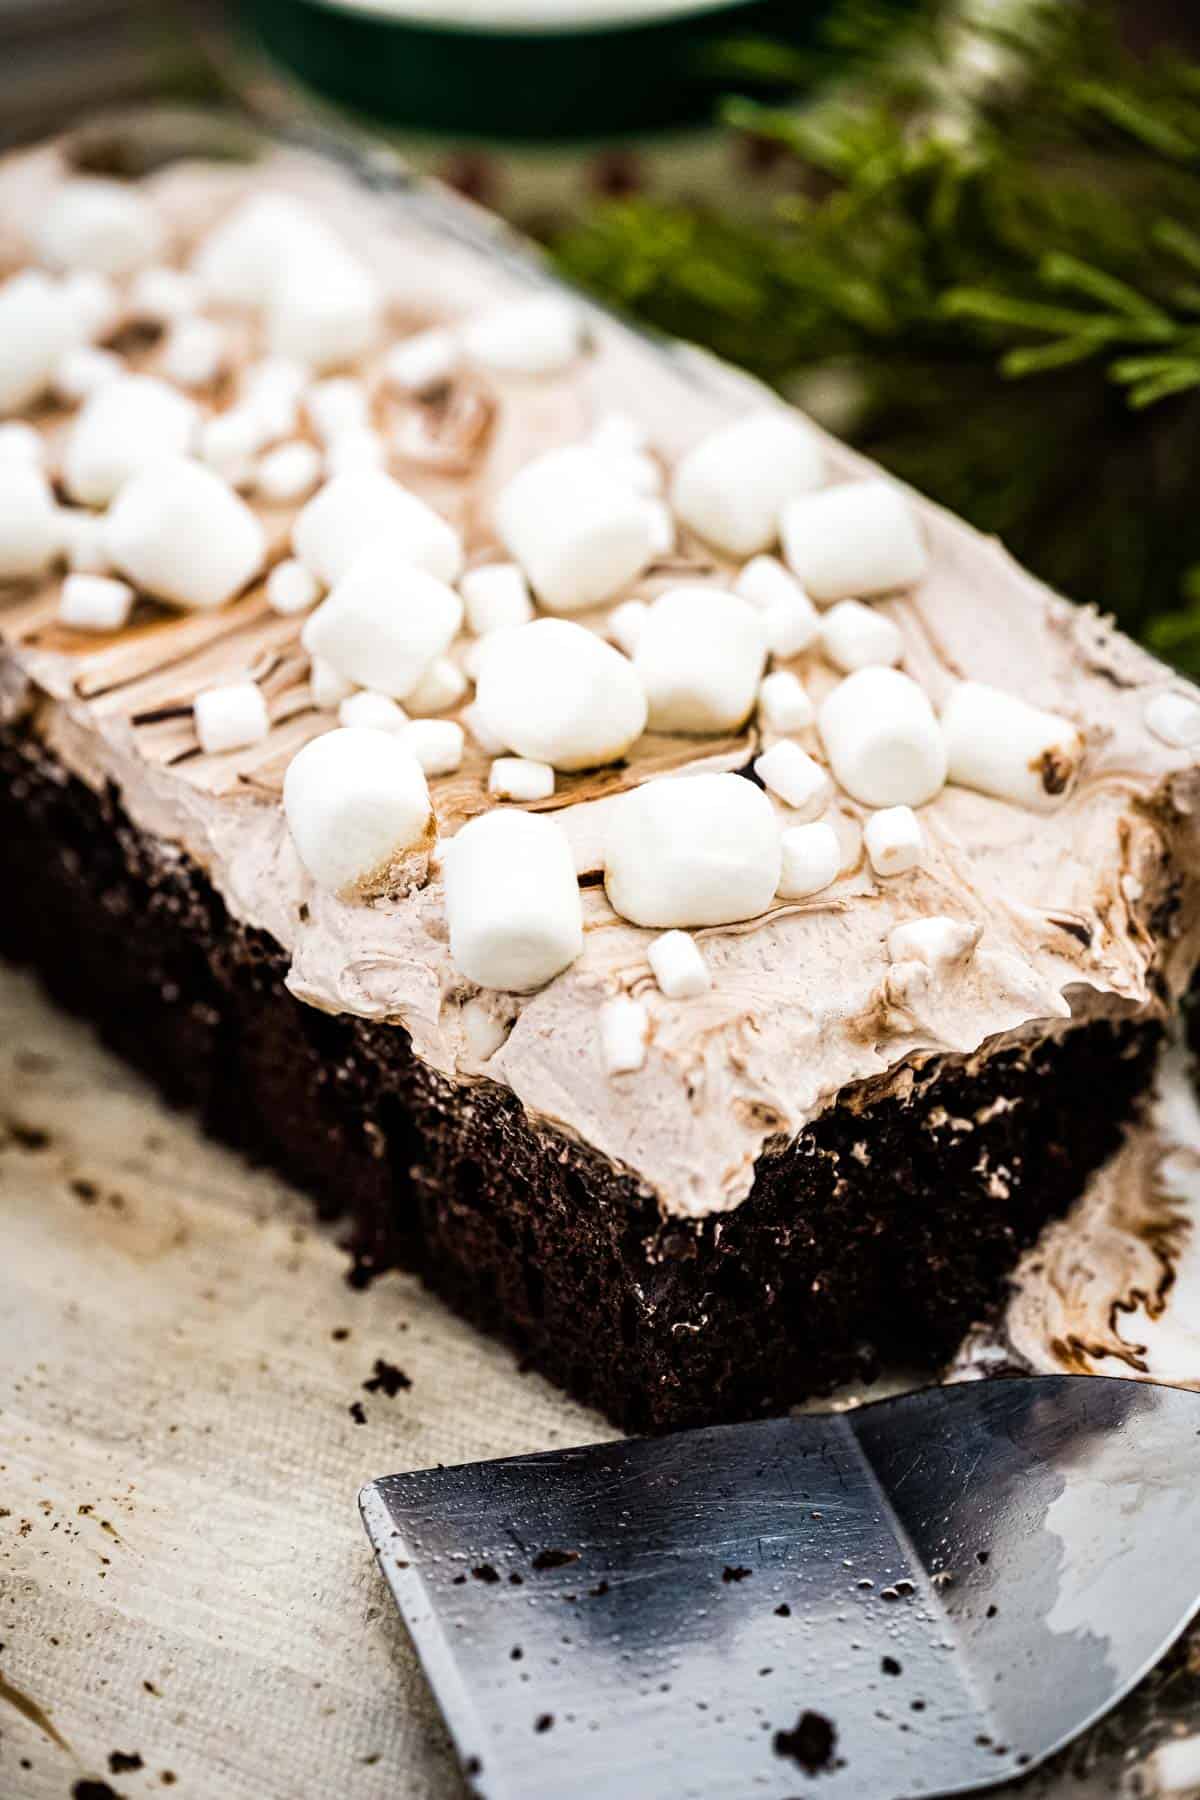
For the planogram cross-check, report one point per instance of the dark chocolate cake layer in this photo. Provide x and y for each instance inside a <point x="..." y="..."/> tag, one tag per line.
<point x="885" y="1230"/>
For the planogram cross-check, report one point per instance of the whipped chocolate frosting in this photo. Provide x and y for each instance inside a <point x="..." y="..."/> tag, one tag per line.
<point x="1092" y="909"/>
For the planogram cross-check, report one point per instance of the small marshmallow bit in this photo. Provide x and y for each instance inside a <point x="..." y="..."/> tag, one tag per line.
<point x="692" y="850"/>
<point x="633" y="469"/>
<point x="812" y="859"/>
<point x="180" y="532"/>
<point x="163" y="294"/>
<point x="94" y="603"/>
<point x="337" y="405"/>
<point x="291" y="588"/>
<point x="326" y="312"/>
<point x="625" y="624"/>
<point x="660" y="521"/>
<point x="519" y="778"/>
<point x="133" y="423"/>
<point x="374" y="712"/>
<point x="231" y="717"/>
<point x="729" y="489"/>
<point x="538" y="336"/>
<point x="272" y="390"/>
<point x="480" y="731"/>
<point x="37" y="326"/>
<point x="859" y="538"/>
<point x="288" y="473"/>
<point x="360" y="507"/>
<point x="788" y="771"/>
<point x="937" y="942"/>
<point x="426" y="360"/>
<point x="893" y="840"/>
<point x="618" y="434"/>
<point x="512" y="900"/>
<point x="384" y="622"/>
<point x="242" y="260"/>
<point x="679" y="968"/>
<point x="85" y="542"/>
<point x="437" y="744"/>
<point x="854" y="636"/>
<point x="81" y="371"/>
<point x="31" y="532"/>
<point x="1172" y="1771"/>
<point x="579" y="535"/>
<point x="21" y="443"/>
<point x="93" y="302"/>
<point x="357" y="806"/>
<point x="195" y="353"/>
<point x="326" y="687"/>
<point x="1000" y="745"/>
<point x="354" y="450"/>
<point x="227" y="443"/>
<point x="101" y="225"/>
<point x="700" y="655"/>
<point x="783" y="704"/>
<point x="624" y="1034"/>
<point x="764" y="582"/>
<point x="495" y="596"/>
<point x="556" y="693"/>
<point x="1174" y="718"/>
<point x="881" y="737"/>
<point x="441" y="686"/>
<point x="789" y="617"/>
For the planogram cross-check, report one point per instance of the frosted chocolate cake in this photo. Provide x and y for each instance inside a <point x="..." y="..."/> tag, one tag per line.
<point x="694" y="901"/>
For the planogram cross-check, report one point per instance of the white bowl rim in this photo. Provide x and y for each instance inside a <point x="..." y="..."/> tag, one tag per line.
<point x="510" y="18"/>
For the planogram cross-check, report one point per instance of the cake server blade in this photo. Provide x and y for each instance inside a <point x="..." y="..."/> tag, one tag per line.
<point x="923" y="1596"/>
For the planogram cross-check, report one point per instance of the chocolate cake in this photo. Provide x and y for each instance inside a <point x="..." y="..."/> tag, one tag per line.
<point x="873" y="913"/>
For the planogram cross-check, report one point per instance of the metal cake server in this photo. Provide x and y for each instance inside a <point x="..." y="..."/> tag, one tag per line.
<point x="919" y="1597"/>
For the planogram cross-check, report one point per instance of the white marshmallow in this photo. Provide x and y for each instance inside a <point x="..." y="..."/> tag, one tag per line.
<point x="384" y="622"/>
<point x="291" y="588"/>
<point x="938" y="942"/>
<point x="31" y="532"/>
<point x="164" y="294"/>
<point x="537" y="336"/>
<point x="92" y="223"/>
<point x="854" y="636"/>
<point x="437" y="744"/>
<point x="135" y="422"/>
<point x="624" y="1034"/>
<point x="426" y="360"/>
<point x="1174" y="718"/>
<point x="353" y="450"/>
<point x="326" y="687"/>
<point x="811" y="860"/>
<point x="240" y="262"/>
<point x="93" y="302"/>
<point x="893" y="840"/>
<point x="495" y="596"/>
<point x="95" y="603"/>
<point x="700" y="655"/>
<point x="483" y="735"/>
<point x="356" y="509"/>
<point x="231" y="717"/>
<point x="692" y="850"/>
<point x="194" y="353"/>
<point x="556" y="693"/>
<point x="797" y="778"/>
<point x="1174" y="1768"/>
<point x="357" y="804"/>
<point x="618" y="433"/>
<point x="660" y="522"/>
<point x="272" y="389"/>
<point x="441" y="686"/>
<point x="227" y="443"/>
<point x="791" y="626"/>
<point x="512" y="900"/>
<point x="1002" y="746"/>
<point x="625" y="624"/>
<point x="764" y="582"/>
<point x="83" y="369"/>
<point x="37" y="325"/>
<point x="633" y="469"/>
<point x="85" y="541"/>
<point x="519" y="778"/>
<point x="679" y="967"/>
<point x="289" y="472"/>
<point x="336" y="405"/>
<point x="374" y="712"/>
<point x="859" y="538"/>
<point x="324" y="311"/>
<point x="881" y="737"/>
<point x="579" y="535"/>
<point x="783" y="704"/>
<point x="21" y="443"/>
<point x="180" y="532"/>
<point x="730" y="487"/>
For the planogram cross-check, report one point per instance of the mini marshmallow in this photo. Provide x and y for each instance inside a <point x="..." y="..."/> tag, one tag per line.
<point x="483" y="735"/>
<point x="375" y="712"/>
<point x="783" y="704"/>
<point x="692" y="850"/>
<point x="84" y="541"/>
<point x="135" y="422"/>
<point x="625" y="624"/>
<point x="426" y="360"/>
<point x="21" y="443"/>
<point x="357" y="805"/>
<point x="624" y="1034"/>
<point x="679" y="968"/>
<point x="326" y="311"/>
<point x="660" y="522"/>
<point x="618" y="433"/>
<point x="811" y="860"/>
<point x="30" y="528"/>
<point x="291" y="588"/>
<point x="240" y="261"/>
<point x="180" y="532"/>
<point x="228" y="441"/>
<point x="352" y="450"/>
<point x="938" y="942"/>
<point x="94" y="603"/>
<point x="1174" y="1769"/>
<point x="519" y="778"/>
<point x="163" y="294"/>
<point x="37" y="325"/>
<point x="700" y="656"/>
<point x="893" y="840"/>
<point x="556" y="693"/>
<point x="537" y="336"/>
<point x="437" y="744"/>
<point x="82" y="370"/>
<point x="441" y="686"/>
<point x="289" y="472"/>
<point x="231" y="717"/>
<point x="336" y="405"/>
<point x="512" y="900"/>
<point x="791" y="626"/>
<point x="764" y="582"/>
<point x="633" y="469"/>
<point x="327" y="689"/>
<point x="788" y="771"/>
<point x="854" y="636"/>
<point x="495" y="596"/>
<point x="730" y="487"/>
<point x="1000" y="745"/>
<point x="194" y="353"/>
<point x="579" y="535"/>
<point x="1174" y="718"/>
<point x="859" y="538"/>
<point x="881" y="737"/>
<point x="384" y="622"/>
<point x="356" y="509"/>
<point x="93" y="303"/>
<point x="92" y="223"/>
<point x="272" y="389"/>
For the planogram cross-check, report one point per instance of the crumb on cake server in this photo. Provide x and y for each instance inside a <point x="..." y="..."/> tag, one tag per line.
<point x="695" y="902"/>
